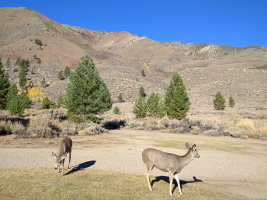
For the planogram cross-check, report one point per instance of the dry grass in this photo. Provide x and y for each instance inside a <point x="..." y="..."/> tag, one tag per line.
<point x="246" y="124"/>
<point x="96" y="184"/>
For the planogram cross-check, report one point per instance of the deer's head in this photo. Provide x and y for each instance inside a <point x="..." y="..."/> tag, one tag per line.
<point x="193" y="149"/>
<point x="58" y="159"/>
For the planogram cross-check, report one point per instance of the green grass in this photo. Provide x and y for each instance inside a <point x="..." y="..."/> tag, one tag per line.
<point x="95" y="184"/>
<point x="203" y="144"/>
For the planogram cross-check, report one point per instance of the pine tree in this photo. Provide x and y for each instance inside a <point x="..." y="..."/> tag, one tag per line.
<point x="60" y="75"/>
<point x="22" y="78"/>
<point x="143" y="73"/>
<point x="26" y="102"/>
<point x="17" y="103"/>
<point x="219" y="102"/>
<point x="43" y="83"/>
<point x="142" y="91"/>
<point x="60" y="102"/>
<point x="116" y="110"/>
<point x="16" y="106"/>
<point x="231" y="102"/>
<point x="176" y="100"/>
<point x="13" y="92"/>
<point x="4" y="86"/>
<point x="120" y="98"/>
<point x="140" y="107"/>
<point x="67" y="71"/>
<point x="46" y="104"/>
<point x="8" y="62"/>
<point x="87" y="94"/>
<point x="155" y="106"/>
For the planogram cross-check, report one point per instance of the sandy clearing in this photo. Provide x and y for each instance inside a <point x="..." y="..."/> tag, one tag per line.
<point x="244" y="173"/>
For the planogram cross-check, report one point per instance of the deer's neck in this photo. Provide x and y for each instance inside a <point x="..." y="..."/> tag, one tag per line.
<point x="187" y="158"/>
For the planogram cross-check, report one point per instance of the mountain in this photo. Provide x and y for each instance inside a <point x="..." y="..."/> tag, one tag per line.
<point x="121" y="56"/>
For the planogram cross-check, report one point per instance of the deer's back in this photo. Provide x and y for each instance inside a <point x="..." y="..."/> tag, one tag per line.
<point x="65" y="145"/>
<point x="161" y="160"/>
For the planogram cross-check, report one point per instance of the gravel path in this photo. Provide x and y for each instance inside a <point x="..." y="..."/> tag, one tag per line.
<point x="243" y="173"/>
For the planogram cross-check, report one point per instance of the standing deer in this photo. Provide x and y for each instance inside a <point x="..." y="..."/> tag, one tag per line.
<point x="168" y="162"/>
<point x="64" y="148"/>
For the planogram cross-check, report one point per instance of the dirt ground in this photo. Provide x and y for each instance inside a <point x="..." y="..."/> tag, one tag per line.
<point x="243" y="173"/>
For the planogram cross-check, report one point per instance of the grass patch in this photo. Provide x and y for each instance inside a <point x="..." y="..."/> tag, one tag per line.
<point x="245" y="124"/>
<point x="203" y="144"/>
<point x="95" y="184"/>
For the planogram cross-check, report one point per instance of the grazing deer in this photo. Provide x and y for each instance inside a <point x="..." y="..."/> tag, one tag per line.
<point x="168" y="162"/>
<point x="64" y="148"/>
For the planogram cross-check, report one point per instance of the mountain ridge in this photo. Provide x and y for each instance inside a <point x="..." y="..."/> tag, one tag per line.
<point x="121" y="56"/>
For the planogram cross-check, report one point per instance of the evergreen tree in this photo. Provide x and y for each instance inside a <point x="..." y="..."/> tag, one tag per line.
<point x="8" y="62"/>
<point x="120" y="98"/>
<point x="116" y="110"/>
<point x="16" y="106"/>
<point x="60" y="75"/>
<point x="26" y="102"/>
<point x="17" y="103"/>
<point x="67" y="71"/>
<point x="4" y="86"/>
<point x="219" y="102"/>
<point x="143" y="73"/>
<point x="176" y="100"/>
<point x="60" y="102"/>
<point x="155" y="106"/>
<point x="87" y="94"/>
<point x="22" y="78"/>
<point x="140" y="107"/>
<point x="142" y="91"/>
<point x="231" y="102"/>
<point x="46" y="104"/>
<point x="43" y="83"/>
<point x="13" y="92"/>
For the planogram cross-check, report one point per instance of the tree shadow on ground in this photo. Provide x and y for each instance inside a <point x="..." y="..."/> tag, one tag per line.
<point x="166" y="179"/>
<point x="81" y="166"/>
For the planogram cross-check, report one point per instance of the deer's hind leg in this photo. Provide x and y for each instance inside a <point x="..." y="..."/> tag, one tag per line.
<point x="149" y="168"/>
<point x="69" y="159"/>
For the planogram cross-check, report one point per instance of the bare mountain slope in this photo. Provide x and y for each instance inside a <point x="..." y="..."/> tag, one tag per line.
<point x="121" y="56"/>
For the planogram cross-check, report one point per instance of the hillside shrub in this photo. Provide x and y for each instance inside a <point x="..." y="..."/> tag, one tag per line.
<point x="116" y="110"/>
<point x="42" y="128"/>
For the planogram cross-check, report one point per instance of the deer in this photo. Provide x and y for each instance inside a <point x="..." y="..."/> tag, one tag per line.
<point x="168" y="162"/>
<point x="64" y="148"/>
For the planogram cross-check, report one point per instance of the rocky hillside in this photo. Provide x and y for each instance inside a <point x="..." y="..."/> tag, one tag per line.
<point x="121" y="56"/>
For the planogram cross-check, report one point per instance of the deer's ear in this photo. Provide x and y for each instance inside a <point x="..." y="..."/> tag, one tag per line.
<point x="194" y="147"/>
<point x="63" y="156"/>
<point x="54" y="155"/>
<point x="187" y="145"/>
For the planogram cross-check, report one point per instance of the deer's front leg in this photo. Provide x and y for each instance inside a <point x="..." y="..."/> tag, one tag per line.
<point x="178" y="182"/>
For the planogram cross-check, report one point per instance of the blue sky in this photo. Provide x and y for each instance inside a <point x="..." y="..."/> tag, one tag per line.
<point x="237" y="23"/>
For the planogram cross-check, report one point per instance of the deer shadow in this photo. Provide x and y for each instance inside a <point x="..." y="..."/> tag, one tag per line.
<point x="182" y="182"/>
<point x="81" y="166"/>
